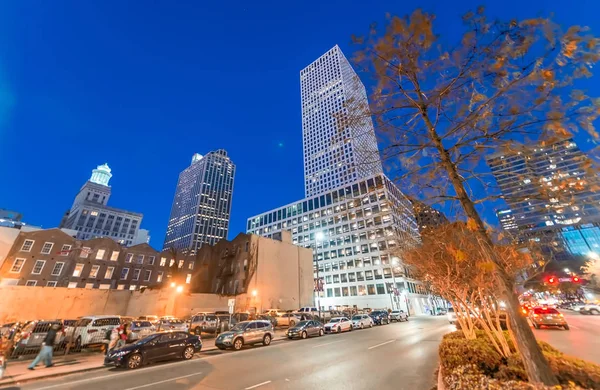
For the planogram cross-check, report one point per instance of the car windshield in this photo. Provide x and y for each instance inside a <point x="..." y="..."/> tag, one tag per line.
<point x="240" y="326"/>
<point x="356" y="318"/>
<point x="146" y="339"/>
<point x="84" y="322"/>
<point x="303" y="323"/>
<point x="334" y="320"/>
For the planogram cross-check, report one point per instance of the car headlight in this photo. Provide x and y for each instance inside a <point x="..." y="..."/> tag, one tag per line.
<point x="227" y="338"/>
<point x="119" y="353"/>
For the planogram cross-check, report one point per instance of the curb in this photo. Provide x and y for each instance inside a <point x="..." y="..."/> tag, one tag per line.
<point x="7" y="382"/>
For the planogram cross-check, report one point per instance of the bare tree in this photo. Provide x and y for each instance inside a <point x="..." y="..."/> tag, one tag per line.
<point x="441" y="109"/>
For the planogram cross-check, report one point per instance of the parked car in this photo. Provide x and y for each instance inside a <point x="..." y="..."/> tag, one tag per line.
<point x="172" y="324"/>
<point x="547" y="316"/>
<point x="139" y="330"/>
<point x="305" y="329"/>
<point x="577" y="307"/>
<point x="590" y="308"/>
<point x="380" y="317"/>
<point x="153" y="319"/>
<point x="33" y="334"/>
<point x="6" y="328"/>
<point x="309" y="310"/>
<point x="204" y="322"/>
<point x="269" y="318"/>
<point x="247" y="332"/>
<point x="240" y="317"/>
<point x="91" y="330"/>
<point x="361" y="321"/>
<point x="338" y="325"/>
<point x="398" y="316"/>
<point x="288" y="319"/>
<point x="451" y="315"/>
<point x="156" y="347"/>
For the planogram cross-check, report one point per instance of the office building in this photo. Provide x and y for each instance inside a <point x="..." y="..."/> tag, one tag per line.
<point x="202" y="203"/>
<point x="552" y="196"/>
<point x="91" y="216"/>
<point x="507" y="220"/>
<point x="426" y="216"/>
<point x="338" y="148"/>
<point x="353" y="217"/>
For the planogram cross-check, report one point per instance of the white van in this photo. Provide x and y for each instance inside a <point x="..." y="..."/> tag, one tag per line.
<point x="92" y="329"/>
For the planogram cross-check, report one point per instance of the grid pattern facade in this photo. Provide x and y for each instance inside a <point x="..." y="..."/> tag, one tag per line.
<point x="547" y="186"/>
<point x="337" y="151"/>
<point x="202" y="203"/>
<point x="362" y="225"/>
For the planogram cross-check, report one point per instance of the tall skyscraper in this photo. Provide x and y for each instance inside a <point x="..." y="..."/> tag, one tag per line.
<point x="552" y="196"/>
<point x="353" y="217"/>
<point x="91" y="216"/>
<point x="202" y="203"/>
<point x="337" y="150"/>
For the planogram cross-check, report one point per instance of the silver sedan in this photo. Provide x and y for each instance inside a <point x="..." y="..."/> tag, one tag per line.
<point x="361" y="321"/>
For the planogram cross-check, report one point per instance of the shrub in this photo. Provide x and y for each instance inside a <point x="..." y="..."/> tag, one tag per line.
<point x="456" y="352"/>
<point x="571" y="369"/>
<point x="512" y="370"/>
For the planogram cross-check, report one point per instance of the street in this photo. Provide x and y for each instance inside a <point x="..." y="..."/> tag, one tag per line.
<point x="581" y="341"/>
<point x="396" y="356"/>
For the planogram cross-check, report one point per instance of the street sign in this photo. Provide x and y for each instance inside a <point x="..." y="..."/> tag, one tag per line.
<point x="564" y="280"/>
<point x="231" y="304"/>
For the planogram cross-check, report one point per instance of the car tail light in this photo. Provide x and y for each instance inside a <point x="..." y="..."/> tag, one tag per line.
<point x="560" y="315"/>
<point x="536" y="315"/>
<point x="92" y="331"/>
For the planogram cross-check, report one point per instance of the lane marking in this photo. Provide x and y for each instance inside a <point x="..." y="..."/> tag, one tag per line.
<point x="379" y="345"/>
<point x="255" y="386"/>
<point x="324" y="344"/>
<point x="165" y="381"/>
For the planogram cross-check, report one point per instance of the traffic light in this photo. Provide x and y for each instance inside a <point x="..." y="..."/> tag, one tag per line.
<point x="551" y="280"/>
<point x="575" y="279"/>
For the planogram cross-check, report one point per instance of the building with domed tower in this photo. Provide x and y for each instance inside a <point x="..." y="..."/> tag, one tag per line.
<point x="91" y="216"/>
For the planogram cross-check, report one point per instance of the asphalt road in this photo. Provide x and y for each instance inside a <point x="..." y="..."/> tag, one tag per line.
<point x="396" y="356"/>
<point x="582" y="340"/>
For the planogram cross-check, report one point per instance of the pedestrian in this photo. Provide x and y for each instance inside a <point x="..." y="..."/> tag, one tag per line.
<point x="45" y="353"/>
<point x="123" y="333"/>
<point x="6" y="345"/>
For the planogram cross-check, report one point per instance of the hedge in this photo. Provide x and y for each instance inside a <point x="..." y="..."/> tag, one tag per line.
<point x="475" y="364"/>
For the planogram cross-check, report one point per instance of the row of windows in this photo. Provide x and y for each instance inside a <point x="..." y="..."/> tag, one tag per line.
<point x="372" y="289"/>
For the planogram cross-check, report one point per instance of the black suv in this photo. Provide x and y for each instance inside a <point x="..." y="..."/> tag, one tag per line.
<point x="380" y="317"/>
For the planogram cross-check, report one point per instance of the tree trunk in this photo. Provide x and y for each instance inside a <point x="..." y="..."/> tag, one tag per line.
<point x="538" y="369"/>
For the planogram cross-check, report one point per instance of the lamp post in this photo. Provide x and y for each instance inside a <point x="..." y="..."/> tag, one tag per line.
<point x="318" y="236"/>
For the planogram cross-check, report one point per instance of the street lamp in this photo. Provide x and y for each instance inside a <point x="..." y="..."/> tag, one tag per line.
<point x="179" y="289"/>
<point x="254" y="292"/>
<point x="319" y="236"/>
<point x="173" y="285"/>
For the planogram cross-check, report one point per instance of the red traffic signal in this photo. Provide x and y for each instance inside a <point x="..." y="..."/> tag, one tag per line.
<point x="551" y="279"/>
<point x="575" y="279"/>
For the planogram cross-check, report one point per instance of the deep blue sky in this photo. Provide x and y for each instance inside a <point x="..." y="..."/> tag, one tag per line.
<point x="142" y="85"/>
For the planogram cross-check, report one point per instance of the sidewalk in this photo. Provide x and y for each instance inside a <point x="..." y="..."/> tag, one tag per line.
<point x="17" y="372"/>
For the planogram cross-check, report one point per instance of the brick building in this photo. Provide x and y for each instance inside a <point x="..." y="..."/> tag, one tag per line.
<point x="53" y="258"/>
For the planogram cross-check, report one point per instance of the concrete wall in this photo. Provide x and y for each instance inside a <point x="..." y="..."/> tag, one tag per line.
<point x="28" y="303"/>
<point x="283" y="278"/>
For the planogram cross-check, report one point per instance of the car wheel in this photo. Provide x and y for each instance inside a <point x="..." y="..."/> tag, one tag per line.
<point x="406" y="319"/>
<point x="321" y="332"/>
<point x="78" y="345"/>
<point x="238" y="344"/>
<point x="267" y="339"/>
<point x="197" y="331"/>
<point x="134" y="361"/>
<point x="339" y="330"/>
<point x="566" y="327"/>
<point x="351" y="328"/>
<point x="362" y="325"/>
<point x="594" y="311"/>
<point x="188" y="352"/>
<point x="370" y="325"/>
<point x="304" y="335"/>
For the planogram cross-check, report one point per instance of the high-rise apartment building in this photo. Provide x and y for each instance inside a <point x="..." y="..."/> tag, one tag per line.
<point x="91" y="216"/>
<point x="202" y="203"/>
<point x="353" y="217"/>
<point x="337" y="149"/>
<point x="507" y="220"/>
<point x="552" y="196"/>
<point x="427" y="217"/>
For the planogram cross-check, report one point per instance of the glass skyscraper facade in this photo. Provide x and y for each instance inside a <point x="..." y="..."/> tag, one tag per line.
<point x="353" y="217"/>
<point x="202" y="203"/>
<point x="551" y="193"/>
<point x="337" y="149"/>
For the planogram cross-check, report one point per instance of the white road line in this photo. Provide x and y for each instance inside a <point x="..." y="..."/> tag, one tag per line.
<point x="379" y="345"/>
<point x="324" y="344"/>
<point x="255" y="386"/>
<point x="165" y="381"/>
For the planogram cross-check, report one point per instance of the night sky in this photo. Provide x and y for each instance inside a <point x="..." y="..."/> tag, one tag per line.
<point x="142" y="85"/>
